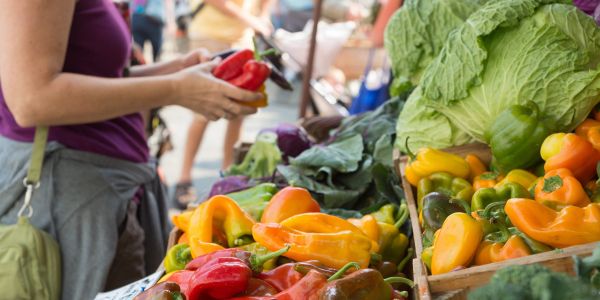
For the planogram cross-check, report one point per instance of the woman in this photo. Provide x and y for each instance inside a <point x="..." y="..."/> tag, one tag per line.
<point x="61" y="64"/>
<point x="220" y="25"/>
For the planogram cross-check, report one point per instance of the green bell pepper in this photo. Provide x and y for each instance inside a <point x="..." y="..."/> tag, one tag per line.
<point x="392" y="243"/>
<point x="516" y="137"/>
<point x="436" y="208"/>
<point x="484" y="197"/>
<point x="446" y="184"/>
<point x="255" y="199"/>
<point x="177" y="257"/>
<point x="386" y="214"/>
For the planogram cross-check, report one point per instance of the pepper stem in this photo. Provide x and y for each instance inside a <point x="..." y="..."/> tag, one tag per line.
<point x="403" y="210"/>
<point x="403" y="294"/>
<point x="257" y="261"/>
<point x="409" y="254"/>
<point x="462" y="203"/>
<point x="343" y="271"/>
<point x="243" y="240"/>
<point x="403" y="280"/>
<point x="410" y="154"/>
<point x="259" y="55"/>
<point x="487" y="212"/>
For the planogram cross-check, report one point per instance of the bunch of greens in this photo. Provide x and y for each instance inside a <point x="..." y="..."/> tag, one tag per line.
<point x="261" y="160"/>
<point x="508" y="52"/>
<point x="416" y="33"/>
<point x="353" y="170"/>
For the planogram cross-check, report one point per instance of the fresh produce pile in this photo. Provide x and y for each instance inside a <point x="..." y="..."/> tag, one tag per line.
<point x="471" y="215"/>
<point x="284" y="249"/>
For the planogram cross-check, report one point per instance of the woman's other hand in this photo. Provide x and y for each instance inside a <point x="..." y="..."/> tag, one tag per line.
<point x="211" y="97"/>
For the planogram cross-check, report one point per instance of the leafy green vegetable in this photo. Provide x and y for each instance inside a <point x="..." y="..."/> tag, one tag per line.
<point x="416" y="34"/>
<point x="261" y="160"/>
<point x="342" y="156"/>
<point x="588" y="268"/>
<point x="534" y="282"/>
<point x="506" y="53"/>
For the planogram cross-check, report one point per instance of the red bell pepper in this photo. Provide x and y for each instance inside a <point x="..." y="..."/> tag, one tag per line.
<point x="257" y="287"/>
<point x="285" y="276"/>
<point x="254" y="74"/>
<point x="181" y="278"/>
<point x="232" y="66"/>
<point x="254" y="262"/>
<point x="223" y="279"/>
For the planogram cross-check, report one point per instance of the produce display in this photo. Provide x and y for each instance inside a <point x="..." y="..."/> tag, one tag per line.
<point x="294" y="252"/>
<point x="474" y="216"/>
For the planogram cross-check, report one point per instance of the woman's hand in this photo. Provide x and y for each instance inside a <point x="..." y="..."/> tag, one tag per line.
<point x="211" y="97"/>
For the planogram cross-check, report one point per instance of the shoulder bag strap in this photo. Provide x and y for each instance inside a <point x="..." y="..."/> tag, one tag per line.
<point x="32" y="181"/>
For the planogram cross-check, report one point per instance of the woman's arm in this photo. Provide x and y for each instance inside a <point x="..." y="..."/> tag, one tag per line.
<point x="34" y="35"/>
<point x="231" y="9"/>
<point x="172" y="66"/>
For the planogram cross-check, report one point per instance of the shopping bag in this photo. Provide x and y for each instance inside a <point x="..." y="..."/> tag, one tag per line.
<point x="30" y="262"/>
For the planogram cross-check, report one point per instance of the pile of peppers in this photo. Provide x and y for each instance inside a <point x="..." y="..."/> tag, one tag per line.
<point x="541" y="197"/>
<point x="286" y="248"/>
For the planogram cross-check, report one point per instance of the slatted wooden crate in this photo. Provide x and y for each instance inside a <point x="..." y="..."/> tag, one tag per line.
<point x="456" y="285"/>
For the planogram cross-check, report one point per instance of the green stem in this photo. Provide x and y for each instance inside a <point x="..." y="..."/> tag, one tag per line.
<point x="410" y="154"/>
<point x="463" y="204"/>
<point x="403" y="215"/>
<point x="343" y="271"/>
<point x="257" y="261"/>
<point x="403" y="280"/>
<point x="409" y="254"/>
<point x="403" y="294"/>
<point x="243" y="240"/>
<point x="487" y="212"/>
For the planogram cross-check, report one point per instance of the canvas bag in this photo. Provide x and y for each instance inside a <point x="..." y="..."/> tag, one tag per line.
<point x="30" y="262"/>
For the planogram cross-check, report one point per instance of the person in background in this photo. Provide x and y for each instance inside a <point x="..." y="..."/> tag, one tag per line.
<point x="218" y="26"/>
<point x="292" y="15"/>
<point x="64" y="68"/>
<point x="147" y="24"/>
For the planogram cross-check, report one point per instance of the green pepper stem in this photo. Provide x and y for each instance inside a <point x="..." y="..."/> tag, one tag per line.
<point x="403" y="210"/>
<point x="487" y="212"/>
<point x="185" y="254"/>
<point x="257" y="261"/>
<point x="410" y="154"/>
<point x="462" y="203"/>
<point x="403" y="280"/>
<point x="409" y="254"/>
<point x="403" y="294"/>
<point x="243" y="240"/>
<point x="505" y="234"/>
<point x="343" y="271"/>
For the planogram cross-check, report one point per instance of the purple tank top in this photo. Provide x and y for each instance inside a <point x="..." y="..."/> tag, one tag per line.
<point x="99" y="45"/>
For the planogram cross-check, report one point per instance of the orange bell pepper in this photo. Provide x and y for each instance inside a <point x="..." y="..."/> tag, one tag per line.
<point x="332" y="249"/>
<point x="486" y="180"/>
<point x="590" y="130"/>
<point x="568" y="227"/>
<point x="456" y="244"/>
<point x="560" y="187"/>
<point x="183" y="239"/>
<point x="288" y="202"/>
<point x="572" y="152"/>
<point x="489" y="252"/>
<point x="182" y="220"/>
<point x="220" y="215"/>
<point x="476" y="166"/>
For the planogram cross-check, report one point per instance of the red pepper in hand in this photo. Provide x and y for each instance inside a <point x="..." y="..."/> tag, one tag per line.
<point x="232" y="66"/>
<point x="223" y="279"/>
<point x="254" y="74"/>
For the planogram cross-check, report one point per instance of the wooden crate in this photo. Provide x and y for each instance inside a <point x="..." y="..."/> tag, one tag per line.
<point x="456" y="285"/>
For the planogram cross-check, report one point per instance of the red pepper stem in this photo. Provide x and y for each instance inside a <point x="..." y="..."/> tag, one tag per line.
<point x="410" y="154"/>
<point x="343" y="271"/>
<point x="257" y="261"/>
<point x="403" y="294"/>
<point x="409" y="254"/>
<point x="403" y="280"/>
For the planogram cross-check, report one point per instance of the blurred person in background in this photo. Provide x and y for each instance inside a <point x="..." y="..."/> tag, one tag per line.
<point x="65" y="67"/>
<point x="147" y="24"/>
<point x="219" y="25"/>
<point x="292" y="15"/>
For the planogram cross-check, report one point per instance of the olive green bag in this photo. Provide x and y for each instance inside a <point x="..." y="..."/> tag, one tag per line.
<point x="29" y="258"/>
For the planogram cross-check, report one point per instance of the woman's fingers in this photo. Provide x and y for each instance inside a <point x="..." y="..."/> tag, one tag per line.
<point x="237" y="94"/>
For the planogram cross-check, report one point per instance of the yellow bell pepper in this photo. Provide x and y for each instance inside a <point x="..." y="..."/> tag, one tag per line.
<point x="182" y="220"/>
<point x="324" y="223"/>
<point x="428" y="161"/>
<point x="220" y="215"/>
<point x="456" y="244"/>
<point x="332" y="249"/>
<point x="477" y="167"/>
<point x="391" y="242"/>
<point x="522" y="177"/>
<point x="368" y="225"/>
